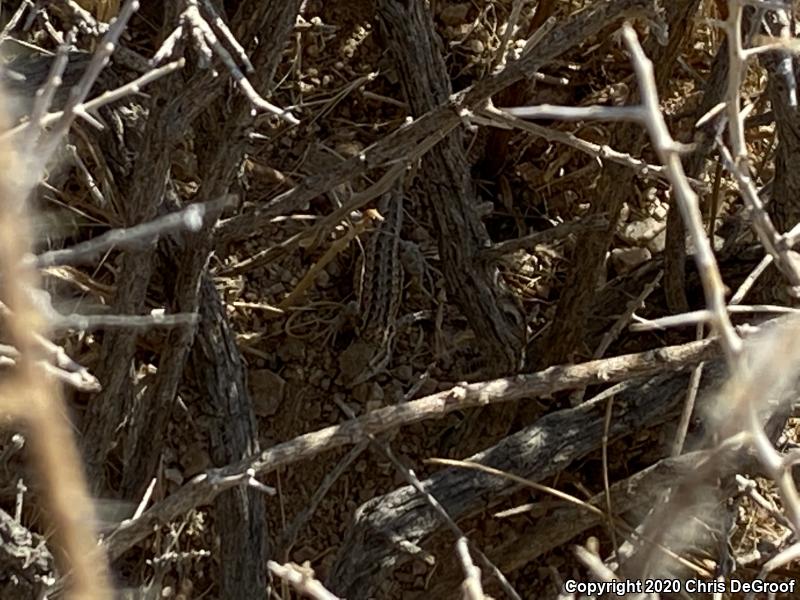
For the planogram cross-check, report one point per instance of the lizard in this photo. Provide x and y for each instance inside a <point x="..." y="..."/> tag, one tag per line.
<point x="379" y="287"/>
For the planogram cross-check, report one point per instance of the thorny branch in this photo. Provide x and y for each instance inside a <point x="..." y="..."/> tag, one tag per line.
<point x="201" y="25"/>
<point x="203" y="488"/>
<point x="207" y="44"/>
<point x="648" y="113"/>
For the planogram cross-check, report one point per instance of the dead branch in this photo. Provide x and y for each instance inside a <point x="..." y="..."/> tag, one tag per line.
<point x="35" y="399"/>
<point x="371" y="550"/>
<point x="565" y="336"/>
<point x="213" y="354"/>
<point x="203" y="489"/>
<point x="438" y="122"/>
<point x="450" y="196"/>
<point x="25" y="561"/>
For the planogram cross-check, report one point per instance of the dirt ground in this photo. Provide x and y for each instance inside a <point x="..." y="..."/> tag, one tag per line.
<point x="340" y="81"/>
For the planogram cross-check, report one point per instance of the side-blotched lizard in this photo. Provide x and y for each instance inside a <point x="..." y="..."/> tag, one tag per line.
<point x="379" y="285"/>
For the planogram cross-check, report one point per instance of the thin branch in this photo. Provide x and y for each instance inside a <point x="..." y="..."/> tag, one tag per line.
<point x="705" y="316"/>
<point x="83" y="109"/>
<point x="205" y="487"/>
<point x="190" y="218"/>
<point x="505" y="118"/>
<point x="78" y="95"/>
<point x="548" y="236"/>
<point x="156" y="319"/>
<point x="666" y="149"/>
<point x="302" y="581"/>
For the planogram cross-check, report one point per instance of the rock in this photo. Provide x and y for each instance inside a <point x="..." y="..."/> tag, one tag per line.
<point x="428" y="387"/>
<point x="454" y="14"/>
<point x="292" y="350"/>
<point x="353" y="361"/>
<point x="267" y="390"/>
<point x="323" y="279"/>
<point x="361" y="393"/>
<point x="370" y="395"/>
<point x="195" y="460"/>
<point x="476" y="46"/>
<point x="393" y="393"/>
<point x="638" y="233"/>
<point x="627" y="259"/>
<point x="403" y="373"/>
<point x="658" y="243"/>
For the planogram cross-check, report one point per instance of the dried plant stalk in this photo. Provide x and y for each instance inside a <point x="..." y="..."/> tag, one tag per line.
<point x="32" y="396"/>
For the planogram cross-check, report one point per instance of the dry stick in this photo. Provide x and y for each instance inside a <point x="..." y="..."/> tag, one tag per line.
<point x="576" y="517"/>
<point x="560" y="231"/>
<point x="45" y="94"/>
<point x="470" y="585"/>
<point x="289" y="536"/>
<point x="769" y="237"/>
<point x="75" y="103"/>
<point x="579" y="515"/>
<point x="15" y="19"/>
<point x="217" y="21"/>
<point x="239" y="513"/>
<point x="203" y="488"/>
<point x="199" y="29"/>
<point x="792" y="237"/>
<point x="440" y="121"/>
<point x="625" y="318"/>
<point x="688" y="405"/>
<point x="703" y="315"/>
<point x="667" y="151"/>
<point x="735" y="160"/>
<point x="648" y="113"/>
<point x="750" y="280"/>
<point x="89" y="180"/>
<point x="616" y="329"/>
<point x="750" y="488"/>
<point x="34" y="398"/>
<point x="733" y="31"/>
<point x="502" y="50"/>
<point x="770" y="374"/>
<point x="688" y="202"/>
<point x="75" y="374"/>
<point x="303" y="582"/>
<point x="83" y="108"/>
<point x="595" y="565"/>
<point x="697" y="372"/>
<point x="776" y="562"/>
<point x="684" y="420"/>
<point x="556" y="493"/>
<point x="192" y="14"/>
<point x="604" y="452"/>
<point x="769" y="457"/>
<point x="25" y="555"/>
<point x="190" y="218"/>
<point x="8" y="358"/>
<point x="155" y="320"/>
<point x="511" y="118"/>
<point x="89" y="24"/>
